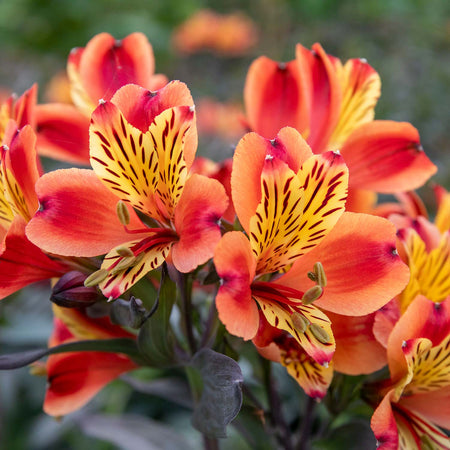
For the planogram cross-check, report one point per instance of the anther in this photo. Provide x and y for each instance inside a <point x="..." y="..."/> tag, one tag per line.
<point x="312" y="276"/>
<point x="319" y="333"/>
<point x="319" y="272"/>
<point x="300" y="322"/>
<point x="312" y="294"/>
<point x="124" y="251"/>
<point x="95" y="278"/>
<point x="123" y="213"/>
<point x="126" y="262"/>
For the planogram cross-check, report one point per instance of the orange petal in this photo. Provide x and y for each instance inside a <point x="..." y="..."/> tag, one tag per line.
<point x="235" y="265"/>
<point x="361" y="201"/>
<point x="442" y="219"/>
<point x="67" y="195"/>
<point x="362" y="266"/>
<point x="361" y="88"/>
<point x="386" y="156"/>
<point x="273" y="97"/>
<point x="319" y="82"/>
<point x="384" y="425"/>
<point x="357" y="350"/>
<point x="248" y="163"/>
<point x="197" y="224"/>
<point x="63" y="133"/>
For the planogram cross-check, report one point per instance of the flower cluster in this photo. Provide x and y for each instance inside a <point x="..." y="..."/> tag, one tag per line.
<point x="284" y="246"/>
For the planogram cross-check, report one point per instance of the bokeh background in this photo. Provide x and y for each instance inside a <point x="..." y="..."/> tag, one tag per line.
<point x="406" y="41"/>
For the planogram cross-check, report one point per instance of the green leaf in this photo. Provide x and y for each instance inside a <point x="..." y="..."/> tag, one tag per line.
<point x="120" y="345"/>
<point x="221" y="396"/>
<point x="156" y="338"/>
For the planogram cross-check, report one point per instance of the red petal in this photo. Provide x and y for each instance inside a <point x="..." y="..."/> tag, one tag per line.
<point x="22" y="263"/>
<point x="24" y="108"/>
<point x="74" y="378"/>
<point x="384" y="425"/>
<point x="386" y="156"/>
<point x="106" y="64"/>
<point x="197" y="222"/>
<point x="360" y="260"/>
<point x="77" y="216"/>
<point x="63" y="133"/>
<point x="235" y="264"/>
<point x="320" y="83"/>
<point x="273" y="97"/>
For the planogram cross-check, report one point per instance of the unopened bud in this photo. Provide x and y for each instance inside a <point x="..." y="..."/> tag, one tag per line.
<point x="319" y="333"/>
<point x="300" y="322"/>
<point x="123" y="213"/>
<point x="95" y="278"/>
<point x="320" y="274"/>
<point x="71" y="292"/>
<point x="312" y="294"/>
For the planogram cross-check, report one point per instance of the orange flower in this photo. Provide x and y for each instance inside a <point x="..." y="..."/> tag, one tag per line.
<point x="229" y="34"/>
<point x="332" y="105"/>
<point x="75" y="377"/>
<point x="95" y="72"/>
<point x="290" y="203"/>
<point x="141" y="151"/>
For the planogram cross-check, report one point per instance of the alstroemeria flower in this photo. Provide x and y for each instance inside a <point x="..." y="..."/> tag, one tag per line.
<point x="75" y="377"/>
<point x="290" y="203"/>
<point x="21" y="262"/>
<point x="417" y="398"/>
<point x="141" y="153"/>
<point x="96" y="72"/>
<point x="332" y="105"/>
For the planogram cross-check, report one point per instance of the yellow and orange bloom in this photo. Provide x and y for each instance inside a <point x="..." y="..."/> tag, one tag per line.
<point x="141" y="153"/>
<point x="416" y="400"/>
<point x="290" y="204"/>
<point x="332" y="105"/>
<point x="75" y="377"/>
<point x="227" y="34"/>
<point x="95" y="72"/>
<point x="19" y="171"/>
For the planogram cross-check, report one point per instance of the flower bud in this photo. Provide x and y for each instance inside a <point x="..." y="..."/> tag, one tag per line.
<point x="71" y="292"/>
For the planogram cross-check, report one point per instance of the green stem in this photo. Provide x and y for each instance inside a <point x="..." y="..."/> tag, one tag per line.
<point x="305" y="430"/>
<point x="186" y="301"/>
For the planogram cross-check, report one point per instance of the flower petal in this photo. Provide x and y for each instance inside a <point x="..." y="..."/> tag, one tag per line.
<point x="235" y="265"/>
<point x="362" y="266"/>
<point x="120" y="279"/>
<point x="361" y="88"/>
<point x="319" y="81"/>
<point x="248" y="162"/>
<point x="357" y="350"/>
<point x="384" y="425"/>
<point x="67" y="195"/>
<point x="386" y="156"/>
<point x="22" y="263"/>
<point x="197" y="222"/>
<point x="62" y="133"/>
<point x="283" y="317"/>
<point x="273" y="97"/>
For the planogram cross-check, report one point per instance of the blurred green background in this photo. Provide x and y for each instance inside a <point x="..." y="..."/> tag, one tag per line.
<point x="406" y="41"/>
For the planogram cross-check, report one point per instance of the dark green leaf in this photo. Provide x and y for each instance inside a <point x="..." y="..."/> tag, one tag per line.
<point x="21" y="359"/>
<point x="221" y="397"/>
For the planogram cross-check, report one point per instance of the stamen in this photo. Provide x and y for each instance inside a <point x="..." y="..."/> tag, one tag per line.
<point x="300" y="322"/>
<point x="124" y="251"/>
<point x="95" y="278"/>
<point x="319" y="333"/>
<point x="320" y="274"/>
<point x="312" y="294"/>
<point x="426" y="443"/>
<point x="312" y="276"/>
<point x="123" y="213"/>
